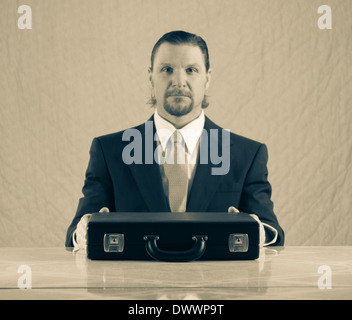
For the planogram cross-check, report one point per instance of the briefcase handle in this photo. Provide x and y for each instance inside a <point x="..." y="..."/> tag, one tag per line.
<point x="194" y="253"/>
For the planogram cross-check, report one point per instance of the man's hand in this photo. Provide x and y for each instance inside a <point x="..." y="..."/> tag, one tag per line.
<point x="261" y="226"/>
<point x="261" y="230"/>
<point x="79" y="237"/>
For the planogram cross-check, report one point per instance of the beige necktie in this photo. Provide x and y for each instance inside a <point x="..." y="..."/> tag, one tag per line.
<point x="176" y="171"/>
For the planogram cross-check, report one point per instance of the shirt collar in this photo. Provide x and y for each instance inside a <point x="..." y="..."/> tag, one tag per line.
<point x="190" y="132"/>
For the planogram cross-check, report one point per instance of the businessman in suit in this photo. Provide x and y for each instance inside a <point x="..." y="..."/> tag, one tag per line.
<point x="129" y="170"/>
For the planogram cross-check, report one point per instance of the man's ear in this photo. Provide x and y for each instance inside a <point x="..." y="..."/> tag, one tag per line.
<point x="151" y="82"/>
<point x="208" y="78"/>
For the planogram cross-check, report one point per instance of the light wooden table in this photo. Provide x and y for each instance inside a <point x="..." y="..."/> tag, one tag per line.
<point x="279" y="273"/>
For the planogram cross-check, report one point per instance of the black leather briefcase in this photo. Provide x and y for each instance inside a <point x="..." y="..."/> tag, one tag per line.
<point x="176" y="237"/>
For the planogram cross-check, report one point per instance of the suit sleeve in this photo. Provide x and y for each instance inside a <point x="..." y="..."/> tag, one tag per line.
<point x="97" y="190"/>
<point x="256" y="194"/>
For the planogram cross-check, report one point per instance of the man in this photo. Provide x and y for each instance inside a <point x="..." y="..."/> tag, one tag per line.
<point x="127" y="174"/>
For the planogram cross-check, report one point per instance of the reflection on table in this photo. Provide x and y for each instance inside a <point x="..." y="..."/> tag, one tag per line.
<point x="279" y="273"/>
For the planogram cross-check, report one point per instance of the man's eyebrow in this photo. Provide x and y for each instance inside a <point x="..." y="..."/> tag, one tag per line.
<point x="193" y="65"/>
<point x="163" y="64"/>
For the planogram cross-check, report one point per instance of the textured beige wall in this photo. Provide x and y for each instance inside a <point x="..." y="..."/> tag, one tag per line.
<point x="82" y="72"/>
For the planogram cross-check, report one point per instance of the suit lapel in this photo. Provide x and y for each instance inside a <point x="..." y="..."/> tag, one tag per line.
<point x="147" y="176"/>
<point x="205" y="183"/>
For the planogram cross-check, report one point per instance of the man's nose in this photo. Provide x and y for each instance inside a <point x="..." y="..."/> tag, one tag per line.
<point x="179" y="79"/>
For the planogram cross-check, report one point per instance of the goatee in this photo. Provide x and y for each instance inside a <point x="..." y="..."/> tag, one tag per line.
<point x="179" y="104"/>
<point x="178" y="109"/>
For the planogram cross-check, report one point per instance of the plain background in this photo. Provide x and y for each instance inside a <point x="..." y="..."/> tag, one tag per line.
<point x="81" y="72"/>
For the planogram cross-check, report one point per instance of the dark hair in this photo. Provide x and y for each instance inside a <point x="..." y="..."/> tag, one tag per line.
<point x="182" y="37"/>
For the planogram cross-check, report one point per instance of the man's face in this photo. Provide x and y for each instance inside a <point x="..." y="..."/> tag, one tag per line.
<point x="179" y="80"/>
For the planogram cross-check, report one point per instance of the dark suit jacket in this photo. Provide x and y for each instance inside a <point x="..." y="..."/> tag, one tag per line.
<point x="138" y="188"/>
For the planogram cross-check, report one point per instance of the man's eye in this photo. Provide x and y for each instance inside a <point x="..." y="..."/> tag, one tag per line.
<point x="191" y="70"/>
<point x="166" y="69"/>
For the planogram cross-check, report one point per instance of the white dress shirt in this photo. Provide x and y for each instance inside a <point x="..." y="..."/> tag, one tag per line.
<point x="191" y="134"/>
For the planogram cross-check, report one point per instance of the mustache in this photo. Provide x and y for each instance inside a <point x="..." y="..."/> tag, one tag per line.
<point x="178" y="92"/>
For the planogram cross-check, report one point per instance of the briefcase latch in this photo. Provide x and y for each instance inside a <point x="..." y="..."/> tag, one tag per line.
<point x="114" y="242"/>
<point x="238" y="242"/>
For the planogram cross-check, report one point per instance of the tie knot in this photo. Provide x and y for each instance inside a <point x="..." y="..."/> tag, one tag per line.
<point x="176" y="137"/>
<point x="176" y="149"/>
